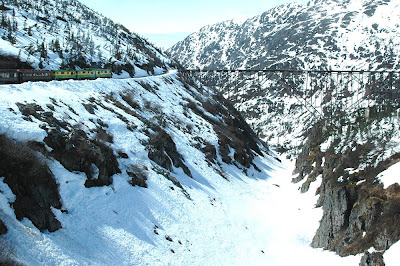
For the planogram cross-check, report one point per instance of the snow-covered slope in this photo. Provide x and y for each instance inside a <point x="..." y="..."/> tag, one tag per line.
<point x="332" y="34"/>
<point x="322" y="35"/>
<point x="348" y="149"/>
<point x="161" y="171"/>
<point x="185" y="206"/>
<point x="51" y="34"/>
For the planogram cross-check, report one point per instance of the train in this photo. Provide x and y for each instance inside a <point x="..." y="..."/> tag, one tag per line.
<point x="8" y="76"/>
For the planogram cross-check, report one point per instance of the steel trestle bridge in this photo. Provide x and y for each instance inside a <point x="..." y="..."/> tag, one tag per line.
<point x="322" y="92"/>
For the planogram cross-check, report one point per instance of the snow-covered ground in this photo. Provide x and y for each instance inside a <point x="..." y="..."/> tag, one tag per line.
<point x="243" y="222"/>
<point x="390" y="175"/>
<point x="391" y="256"/>
<point x="258" y="218"/>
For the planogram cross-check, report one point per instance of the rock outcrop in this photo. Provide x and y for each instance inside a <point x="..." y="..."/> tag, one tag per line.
<point x="76" y="152"/>
<point x="32" y="183"/>
<point x="3" y="228"/>
<point x="374" y="259"/>
<point x="73" y="148"/>
<point x="358" y="213"/>
<point x="162" y="150"/>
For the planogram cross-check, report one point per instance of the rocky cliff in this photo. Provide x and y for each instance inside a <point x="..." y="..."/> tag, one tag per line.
<point x="350" y="155"/>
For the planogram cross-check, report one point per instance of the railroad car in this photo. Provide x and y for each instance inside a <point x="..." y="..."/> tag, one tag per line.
<point x="22" y="75"/>
<point x="34" y="75"/>
<point x="9" y="76"/>
<point x="64" y="74"/>
<point x="85" y="74"/>
<point x="103" y="73"/>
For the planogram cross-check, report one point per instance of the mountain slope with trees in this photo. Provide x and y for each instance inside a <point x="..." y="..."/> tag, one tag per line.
<point x="54" y="34"/>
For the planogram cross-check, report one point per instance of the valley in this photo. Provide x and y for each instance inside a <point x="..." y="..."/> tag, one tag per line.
<point x="272" y="140"/>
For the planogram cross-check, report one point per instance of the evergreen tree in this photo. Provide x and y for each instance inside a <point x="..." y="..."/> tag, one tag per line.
<point x="10" y="37"/>
<point x="42" y="50"/>
<point x="15" y="24"/>
<point x="3" y="20"/>
<point x="56" y="48"/>
<point x="30" y="49"/>
<point x="41" y="64"/>
<point x="117" y="53"/>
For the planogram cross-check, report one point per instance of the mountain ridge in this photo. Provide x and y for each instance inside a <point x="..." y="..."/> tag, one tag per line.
<point x="49" y="34"/>
<point x="321" y="35"/>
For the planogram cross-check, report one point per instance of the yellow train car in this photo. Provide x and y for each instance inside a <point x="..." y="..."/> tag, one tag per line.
<point x="86" y="74"/>
<point x="81" y="74"/>
<point x="64" y="74"/>
<point x="103" y="73"/>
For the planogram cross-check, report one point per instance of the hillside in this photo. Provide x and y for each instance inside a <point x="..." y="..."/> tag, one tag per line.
<point x="54" y="34"/>
<point x="144" y="171"/>
<point x="349" y="151"/>
<point x="332" y="34"/>
<point x="157" y="170"/>
<point x="322" y="35"/>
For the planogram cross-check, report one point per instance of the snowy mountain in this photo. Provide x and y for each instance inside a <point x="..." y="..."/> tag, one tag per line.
<point x="54" y="34"/>
<point x="162" y="170"/>
<point x="331" y="34"/>
<point x="143" y="171"/>
<point x="334" y="34"/>
<point x="350" y="152"/>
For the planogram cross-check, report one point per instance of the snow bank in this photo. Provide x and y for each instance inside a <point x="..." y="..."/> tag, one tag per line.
<point x="391" y="256"/>
<point x="390" y="176"/>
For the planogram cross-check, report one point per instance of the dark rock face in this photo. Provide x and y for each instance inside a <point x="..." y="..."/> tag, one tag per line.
<point x="358" y="213"/>
<point x="76" y="152"/>
<point x="374" y="259"/>
<point x="162" y="151"/>
<point x="3" y="228"/>
<point x="336" y="207"/>
<point x="32" y="183"/>
<point x="73" y="148"/>
<point x="357" y="217"/>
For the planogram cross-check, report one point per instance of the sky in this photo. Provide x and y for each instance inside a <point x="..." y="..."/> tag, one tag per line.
<point x="165" y="22"/>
